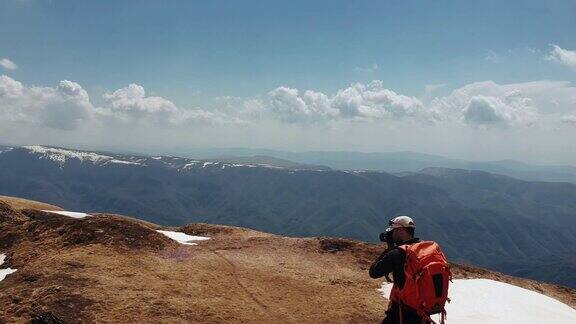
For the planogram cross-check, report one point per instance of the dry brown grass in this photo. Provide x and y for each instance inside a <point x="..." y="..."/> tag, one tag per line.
<point x="111" y="269"/>
<point x="21" y="203"/>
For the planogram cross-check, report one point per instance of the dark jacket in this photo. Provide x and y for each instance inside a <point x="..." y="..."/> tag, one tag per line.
<point x="392" y="261"/>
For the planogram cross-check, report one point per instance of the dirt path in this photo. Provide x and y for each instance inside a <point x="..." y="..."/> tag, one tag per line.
<point x="263" y="307"/>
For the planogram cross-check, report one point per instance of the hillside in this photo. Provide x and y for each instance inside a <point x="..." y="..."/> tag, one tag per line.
<point x="394" y="162"/>
<point x="528" y="228"/>
<point x="21" y="203"/>
<point x="113" y="268"/>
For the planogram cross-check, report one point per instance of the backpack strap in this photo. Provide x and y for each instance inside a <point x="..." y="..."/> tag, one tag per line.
<point x="401" y="312"/>
<point x="427" y="319"/>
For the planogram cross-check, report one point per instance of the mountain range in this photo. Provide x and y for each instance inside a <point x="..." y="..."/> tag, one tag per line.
<point x="523" y="228"/>
<point x="393" y="162"/>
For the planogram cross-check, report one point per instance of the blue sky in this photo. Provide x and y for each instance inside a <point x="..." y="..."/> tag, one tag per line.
<point x="193" y="53"/>
<point x="180" y="48"/>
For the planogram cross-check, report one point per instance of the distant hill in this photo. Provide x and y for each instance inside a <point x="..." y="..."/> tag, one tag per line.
<point x="112" y="268"/>
<point x="394" y="162"/>
<point x="540" y="202"/>
<point x="489" y="220"/>
<point x="263" y="160"/>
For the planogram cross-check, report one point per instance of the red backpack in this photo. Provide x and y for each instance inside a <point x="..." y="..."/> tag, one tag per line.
<point x="427" y="277"/>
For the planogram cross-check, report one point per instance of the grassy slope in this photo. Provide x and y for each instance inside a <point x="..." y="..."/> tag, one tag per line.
<point x="109" y="268"/>
<point x="21" y="203"/>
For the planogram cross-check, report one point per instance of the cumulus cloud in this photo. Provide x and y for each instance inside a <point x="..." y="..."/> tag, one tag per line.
<point x="373" y="101"/>
<point x="479" y="105"/>
<point x="68" y="105"/>
<point x="130" y="104"/>
<point x="520" y="104"/>
<point x="367" y="116"/>
<point x="288" y="105"/>
<point x="358" y="102"/>
<point x="482" y="110"/>
<point x="562" y="56"/>
<point x="62" y="107"/>
<point x="8" y="64"/>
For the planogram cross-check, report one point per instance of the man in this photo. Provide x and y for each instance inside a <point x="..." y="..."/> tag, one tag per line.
<point x="400" y="232"/>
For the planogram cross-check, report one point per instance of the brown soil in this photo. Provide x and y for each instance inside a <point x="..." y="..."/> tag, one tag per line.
<point x="109" y="268"/>
<point x="21" y="203"/>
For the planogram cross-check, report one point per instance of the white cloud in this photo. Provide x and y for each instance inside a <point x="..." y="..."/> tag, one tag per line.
<point x="483" y="104"/>
<point x="563" y="56"/>
<point x="482" y="110"/>
<point x="518" y="104"/>
<point x="358" y="102"/>
<point x="68" y="105"/>
<point x="288" y="105"/>
<point x="373" y="101"/>
<point x="477" y="105"/>
<point x="569" y="119"/>
<point x="62" y="107"/>
<point x="362" y="116"/>
<point x="8" y="64"/>
<point x="130" y="104"/>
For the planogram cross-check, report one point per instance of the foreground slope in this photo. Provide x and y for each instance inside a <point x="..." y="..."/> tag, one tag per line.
<point x="112" y="268"/>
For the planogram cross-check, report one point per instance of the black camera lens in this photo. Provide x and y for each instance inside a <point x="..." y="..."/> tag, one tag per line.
<point x="383" y="237"/>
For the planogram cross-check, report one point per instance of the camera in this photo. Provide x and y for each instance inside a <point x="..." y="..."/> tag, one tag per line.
<point x="387" y="237"/>
<point x="384" y="237"/>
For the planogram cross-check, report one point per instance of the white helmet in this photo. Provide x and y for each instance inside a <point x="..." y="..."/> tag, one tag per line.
<point x="400" y="221"/>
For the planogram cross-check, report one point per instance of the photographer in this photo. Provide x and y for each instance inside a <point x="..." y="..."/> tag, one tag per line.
<point x="406" y="305"/>
<point x="399" y="232"/>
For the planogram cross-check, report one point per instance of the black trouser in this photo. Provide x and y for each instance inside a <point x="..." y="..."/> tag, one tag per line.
<point x="409" y="316"/>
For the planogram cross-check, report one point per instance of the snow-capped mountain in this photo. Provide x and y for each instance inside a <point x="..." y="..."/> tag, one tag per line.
<point x="450" y="206"/>
<point x="63" y="156"/>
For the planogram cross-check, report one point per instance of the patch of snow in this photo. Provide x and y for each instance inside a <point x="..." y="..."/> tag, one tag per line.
<point x="67" y="213"/>
<point x="157" y="157"/>
<point x="183" y="238"/>
<point x="238" y="165"/>
<point x="270" y="166"/>
<point x="207" y="163"/>
<point x="123" y="162"/>
<point x="5" y="149"/>
<point x="489" y="301"/>
<point x="7" y="271"/>
<point x="189" y="165"/>
<point x="60" y="156"/>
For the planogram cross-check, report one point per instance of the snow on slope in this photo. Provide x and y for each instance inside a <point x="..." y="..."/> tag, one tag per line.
<point x="67" y="213"/>
<point x="60" y="155"/>
<point x="487" y="301"/>
<point x="183" y="238"/>
<point x="7" y="271"/>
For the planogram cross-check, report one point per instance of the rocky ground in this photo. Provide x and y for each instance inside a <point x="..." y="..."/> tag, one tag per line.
<point x="110" y="268"/>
